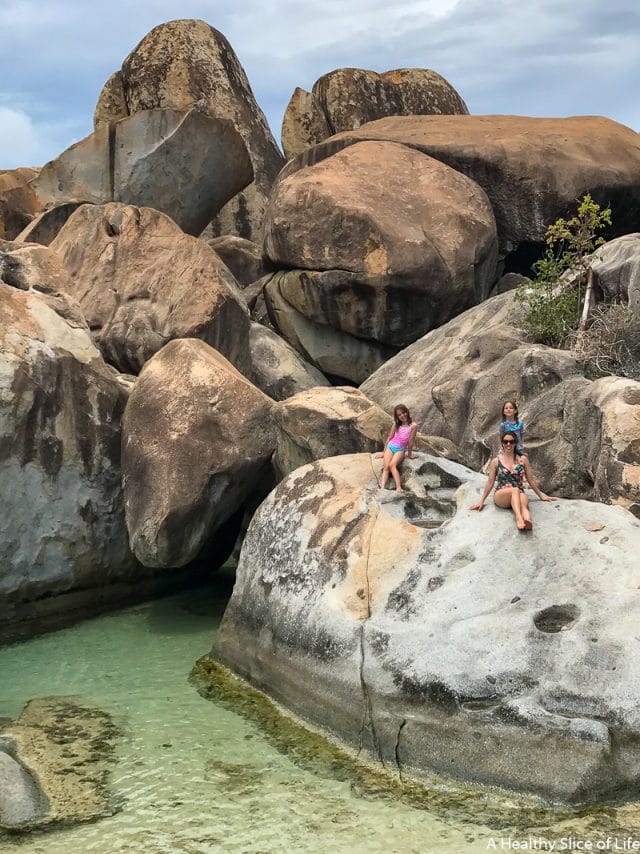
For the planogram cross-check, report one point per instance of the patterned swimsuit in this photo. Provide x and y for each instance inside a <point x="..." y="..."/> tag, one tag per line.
<point x="507" y="479"/>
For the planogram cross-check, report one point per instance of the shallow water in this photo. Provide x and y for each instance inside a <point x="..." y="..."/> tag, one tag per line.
<point x="192" y="776"/>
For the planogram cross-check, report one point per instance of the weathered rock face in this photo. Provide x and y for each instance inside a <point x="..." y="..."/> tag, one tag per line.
<point x="46" y="225"/>
<point x="532" y="170"/>
<point x="142" y="282"/>
<point x="182" y="63"/>
<point x="185" y="164"/>
<point x="324" y="422"/>
<point x="276" y="368"/>
<point x="582" y="436"/>
<point x="379" y="242"/>
<point x="196" y="439"/>
<point x="616" y="266"/>
<point x="18" y="202"/>
<point x="241" y="256"/>
<point x="442" y="639"/>
<point x="346" y="98"/>
<point x="62" y="521"/>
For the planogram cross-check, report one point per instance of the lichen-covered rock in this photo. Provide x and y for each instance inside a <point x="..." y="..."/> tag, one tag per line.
<point x="532" y="170"/>
<point x="184" y="63"/>
<point x="441" y="639"/>
<point x="62" y="518"/>
<point x="197" y="437"/>
<point x="64" y="751"/>
<point x="380" y="243"/>
<point x="582" y="436"/>
<point x="347" y="98"/>
<point x="276" y="368"/>
<point x="142" y="282"/>
<point x="183" y="163"/>
<point x="324" y="422"/>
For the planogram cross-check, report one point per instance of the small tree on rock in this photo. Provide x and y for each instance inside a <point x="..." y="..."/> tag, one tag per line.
<point x="560" y="297"/>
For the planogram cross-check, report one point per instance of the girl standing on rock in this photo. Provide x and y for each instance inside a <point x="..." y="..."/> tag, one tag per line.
<point x="399" y="441"/>
<point x="507" y="471"/>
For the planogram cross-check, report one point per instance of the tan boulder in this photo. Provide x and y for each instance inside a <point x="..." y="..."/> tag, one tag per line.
<point x="184" y="63"/>
<point x="62" y="518"/>
<point x="142" y="282"/>
<point x="276" y="368"/>
<point x="183" y="163"/>
<point x="532" y="170"/>
<point x="381" y="243"/>
<point x="46" y="225"/>
<point x="18" y="202"/>
<point x="346" y="98"/>
<point x="242" y="257"/>
<point x="326" y="422"/>
<point x="582" y="436"/>
<point x="197" y="439"/>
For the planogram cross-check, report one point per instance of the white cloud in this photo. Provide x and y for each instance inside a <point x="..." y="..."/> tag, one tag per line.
<point x="21" y="142"/>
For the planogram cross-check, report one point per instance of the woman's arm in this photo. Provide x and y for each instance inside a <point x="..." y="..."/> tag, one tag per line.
<point x="412" y="436"/>
<point x="487" y="488"/>
<point x="533" y="483"/>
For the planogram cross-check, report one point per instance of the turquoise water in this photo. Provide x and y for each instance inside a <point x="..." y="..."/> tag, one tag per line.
<point x="191" y="776"/>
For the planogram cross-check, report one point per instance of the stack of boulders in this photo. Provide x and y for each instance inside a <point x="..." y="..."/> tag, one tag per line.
<point x="185" y="318"/>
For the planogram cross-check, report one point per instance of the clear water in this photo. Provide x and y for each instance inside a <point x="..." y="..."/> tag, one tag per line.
<point x="191" y="776"/>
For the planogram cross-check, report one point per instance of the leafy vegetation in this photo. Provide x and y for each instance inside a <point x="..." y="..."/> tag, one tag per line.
<point x="559" y="299"/>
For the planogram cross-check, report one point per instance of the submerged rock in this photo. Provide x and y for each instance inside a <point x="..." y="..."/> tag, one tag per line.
<point x="54" y="764"/>
<point x="443" y="639"/>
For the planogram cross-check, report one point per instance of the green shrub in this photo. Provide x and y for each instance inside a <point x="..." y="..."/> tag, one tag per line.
<point x="553" y="300"/>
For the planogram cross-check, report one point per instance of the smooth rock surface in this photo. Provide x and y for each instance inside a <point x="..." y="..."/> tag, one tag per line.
<point x="582" y="436"/>
<point x="347" y="98"/>
<point x="21" y="801"/>
<point x="44" y="227"/>
<point x="532" y="170"/>
<point x="183" y="163"/>
<point x="616" y="266"/>
<point x="184" y="63"/>
<point x="441" y="639"/>
<point x="197" y="439"/>
<point x="276" y="368"/>
<point x="142" y="282"/>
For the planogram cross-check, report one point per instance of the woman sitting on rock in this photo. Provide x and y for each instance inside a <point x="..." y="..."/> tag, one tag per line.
<point x="507" y="471"/>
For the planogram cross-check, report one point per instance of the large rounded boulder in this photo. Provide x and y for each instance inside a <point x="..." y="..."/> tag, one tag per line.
<point x="184" y="63"/>
<point x="441" y="639"/>
<point x="142" y="282"/>
<point x="379" y="244"/>
<point x="532" y="170"/>
<point x="347" y="98"/>
<point x="197" y="440"/>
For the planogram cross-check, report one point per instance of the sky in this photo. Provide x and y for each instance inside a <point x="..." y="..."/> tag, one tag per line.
<point x="526" y="57"/>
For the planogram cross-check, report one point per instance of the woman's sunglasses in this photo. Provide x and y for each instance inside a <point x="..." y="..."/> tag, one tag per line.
<point x="508" y="442"/>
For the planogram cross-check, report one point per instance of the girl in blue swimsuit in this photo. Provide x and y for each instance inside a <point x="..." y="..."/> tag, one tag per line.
<point x="507" y="472"/>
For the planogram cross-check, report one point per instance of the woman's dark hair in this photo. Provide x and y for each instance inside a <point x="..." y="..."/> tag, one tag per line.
<point x="513" y="403"/>
<point x="401" y="408"/>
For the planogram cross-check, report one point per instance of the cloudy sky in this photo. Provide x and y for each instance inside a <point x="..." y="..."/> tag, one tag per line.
<point x="530" y="57"/>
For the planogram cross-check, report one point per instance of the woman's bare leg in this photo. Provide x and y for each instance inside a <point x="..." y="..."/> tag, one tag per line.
<point x="510" y="498"/>
<point x="526" y="513"/>
<point x="395" y="462"/>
